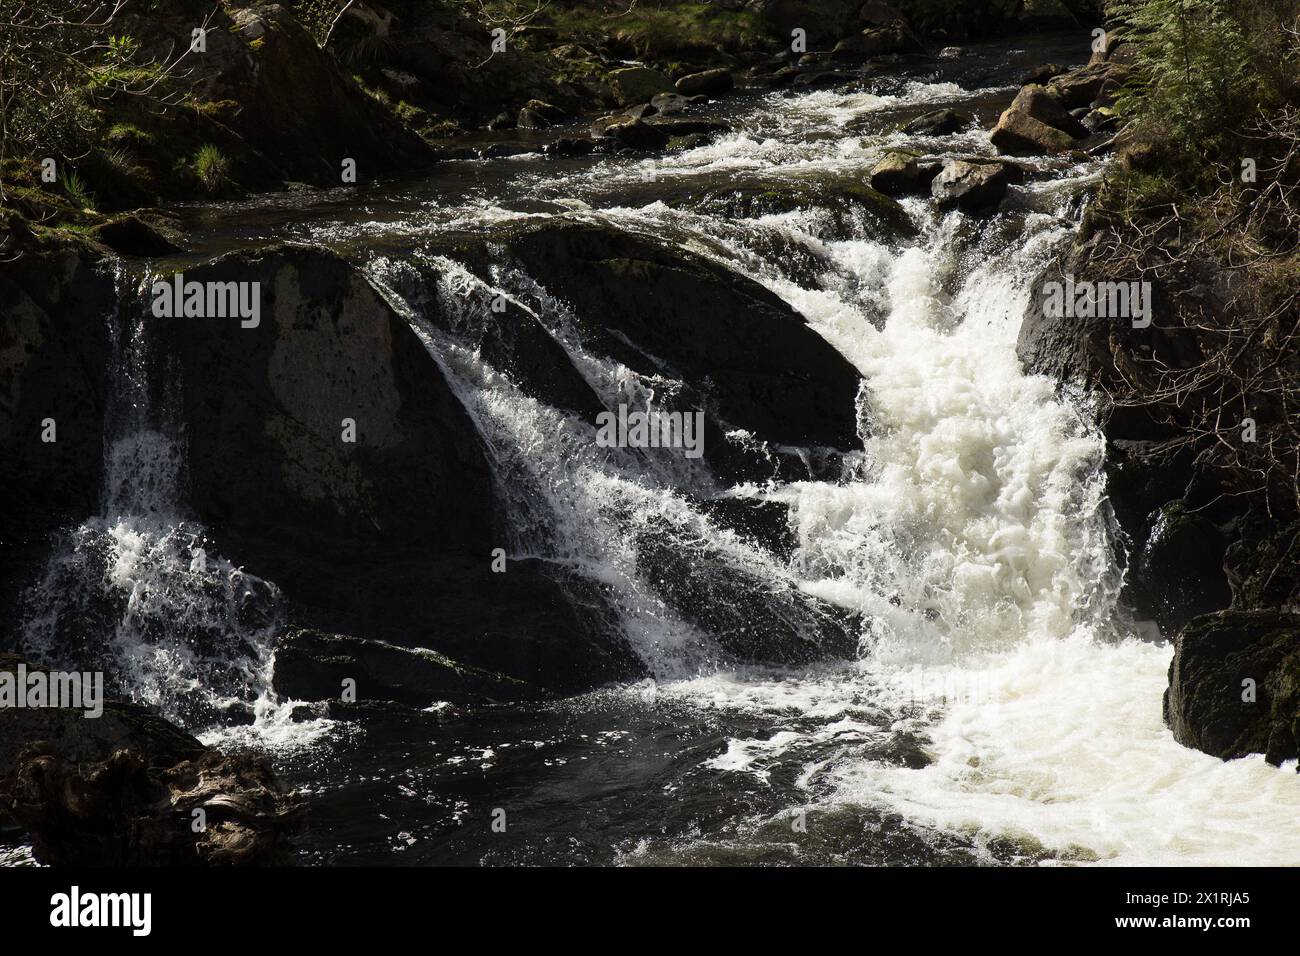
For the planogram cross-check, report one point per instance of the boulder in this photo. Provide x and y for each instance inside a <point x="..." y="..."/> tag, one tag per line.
<point x="122" y="790"/>
<point x="1234" y="685"/>
<point x="389" y="537"/>
<point x="748" y="615"/>
<point x="748" y="360"/>
<point x="637" y="84"/>
<point x="897" y="174"/>
<point x="1040" y="76"/>
<point x="1022" y="135"/>
<point x="669" y="103"/>
<point x="1086" y="85"/>
<point x="1036" y="122"/>
<point x="937" y="123"/>
<point x="531" y="119"/>
<point x="138" y="234"/>
<point x="971" y="187"/>
<point x="849" y="203"/>
<point x="636" y="134"/>
<point x="707" y="83"/>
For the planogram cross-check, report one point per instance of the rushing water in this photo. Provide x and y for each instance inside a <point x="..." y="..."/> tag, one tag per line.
<point x="1001" y="709"/>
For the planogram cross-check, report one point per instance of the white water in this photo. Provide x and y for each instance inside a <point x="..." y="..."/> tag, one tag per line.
<point x="978" y="547"/>
<point x="973" y="539"/>
<point x="138" y="592"/>
<point x="976" y="544"/>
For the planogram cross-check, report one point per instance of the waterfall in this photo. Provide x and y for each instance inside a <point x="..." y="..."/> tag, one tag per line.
<point x="137" y="591"/>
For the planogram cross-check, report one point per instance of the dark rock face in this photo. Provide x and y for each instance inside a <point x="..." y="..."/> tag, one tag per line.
<point x="756" y="364"/>
<point x="1234" y="685"/>
<point x="122" y="790"/>
<point x="975" y="188"/>
<point x="740" y="609"/>
<point x="265" y="409"/>
<point x="636" y="134"/>
<point x="57" y="305"/>
<point x="389" y="537"/>
<point x="1179" y="572"/>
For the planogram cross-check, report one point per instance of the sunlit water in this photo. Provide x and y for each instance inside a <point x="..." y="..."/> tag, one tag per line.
<point x="1001" y="710"/>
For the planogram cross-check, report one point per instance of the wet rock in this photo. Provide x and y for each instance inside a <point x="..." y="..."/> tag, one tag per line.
<point x="56" y="299"/>
<point x="636" y="134"/>
<point x="1179" y="570"/>
<point x="1020" y="134"/>
<point x="1083" y="87"/>
<point x="894" y="38"/>
<point x="973" y="188"/>
<point x="643" y="111"/>
<point x="569" y="146"/>
<point x="687" y="127"/>
<point x="842" y="200"/>
<point x="138" y="234"/>
<point x="389" y="537"/>
<point x="121" y="790"/>
<point x="760" y="521"/>
<point x="548" y="111"/>
<point x="897" y="174"/>
<point x="707" y="82"/>
<point x="638" y="84"/>
<point x="504" y="150"/>
<point x="669" y="103"/>
<point x="1234" y="685"/>
<point x="313" y="665"/>
<point x="824" y="80"/>
<point x="503" y="121"/>
<point x="741" y="608"/>
<point x="755" y="365"/>
<point x="938" y="123"/>
<point x="1040" y="76"/>
<point x="1036" y="121"/>
<point x="531" y="119"/>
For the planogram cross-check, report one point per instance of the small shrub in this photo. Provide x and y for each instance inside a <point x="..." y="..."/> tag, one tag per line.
<point x="211" y="167"/>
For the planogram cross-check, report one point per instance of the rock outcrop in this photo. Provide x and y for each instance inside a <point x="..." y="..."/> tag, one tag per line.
<point x="1234" y="685"/>
<point x="128" y="788"/>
